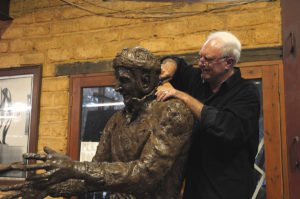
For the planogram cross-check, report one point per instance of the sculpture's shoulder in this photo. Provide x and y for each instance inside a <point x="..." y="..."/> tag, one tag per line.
<point x="174" y="113"/>
<point x="171" y="106"/>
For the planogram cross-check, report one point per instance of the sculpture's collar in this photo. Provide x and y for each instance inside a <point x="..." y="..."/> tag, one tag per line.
<point x="137" y="105"/>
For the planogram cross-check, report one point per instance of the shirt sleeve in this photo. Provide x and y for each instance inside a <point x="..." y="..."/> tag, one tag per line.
<point x="184" y="75"/>
<point x="234" y="123"/>
<point x="169" y="135"/>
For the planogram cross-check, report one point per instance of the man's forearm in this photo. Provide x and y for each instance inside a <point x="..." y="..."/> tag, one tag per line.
<point x="166" y="91"/>
<point x="195" y="105"/>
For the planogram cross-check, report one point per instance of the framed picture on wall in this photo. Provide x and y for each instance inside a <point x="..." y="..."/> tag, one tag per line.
<point x="19" y="105"/>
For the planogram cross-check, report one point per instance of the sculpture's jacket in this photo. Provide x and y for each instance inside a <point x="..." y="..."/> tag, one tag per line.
<point x="143" y="158"/>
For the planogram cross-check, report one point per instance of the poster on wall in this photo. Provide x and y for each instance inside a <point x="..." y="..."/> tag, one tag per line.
<point x="16" y="106"/>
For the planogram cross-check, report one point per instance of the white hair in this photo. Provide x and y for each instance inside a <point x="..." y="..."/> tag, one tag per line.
<point x="231" y="44"/>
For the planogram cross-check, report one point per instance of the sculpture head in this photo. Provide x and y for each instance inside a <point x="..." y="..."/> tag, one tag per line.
<point x="137" y="71"/>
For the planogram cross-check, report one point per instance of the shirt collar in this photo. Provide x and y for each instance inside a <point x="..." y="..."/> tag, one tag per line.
<point x="233" y="78"/>
<point x="230" y="81"/>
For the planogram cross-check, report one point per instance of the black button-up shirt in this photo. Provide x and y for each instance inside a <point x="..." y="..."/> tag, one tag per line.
<point x="225" y="140"/>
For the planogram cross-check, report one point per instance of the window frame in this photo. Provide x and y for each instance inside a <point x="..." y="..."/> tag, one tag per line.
<point x="77" y="82"/>
<point x="271" y="73"/>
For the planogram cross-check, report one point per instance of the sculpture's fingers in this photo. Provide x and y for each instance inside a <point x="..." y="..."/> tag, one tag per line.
<point x="10" y="166"/>
<point x="31" y="167"/>
<point x="35" y="156"/>
<point x="36" y="196"/>
<point x="5" y="167"/>
<point x="12" y="196"/>
<point x="24" y="167"/>
<point x="11" y="187"/>
<point x="55" y="179"/>
<point x="43" y="176"/>
<point x="48" y="150"/>
<point x="41" y="184"/>
<point x="18" y="166"/>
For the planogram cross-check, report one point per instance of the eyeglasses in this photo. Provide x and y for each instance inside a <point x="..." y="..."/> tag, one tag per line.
<point x="209" y="60"/>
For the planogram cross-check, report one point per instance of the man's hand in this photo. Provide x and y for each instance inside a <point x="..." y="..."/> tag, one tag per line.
<point x="165" y="91"/>
<point x="168" y="69"/>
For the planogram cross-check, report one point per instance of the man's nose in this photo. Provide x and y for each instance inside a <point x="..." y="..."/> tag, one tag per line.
<point x="201" y="61"/>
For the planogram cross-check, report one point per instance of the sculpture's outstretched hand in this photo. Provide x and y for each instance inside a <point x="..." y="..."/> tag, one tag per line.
<point x="59" y="167"/>
<point x="26" y="190"/>
<point x="63" y="177"/>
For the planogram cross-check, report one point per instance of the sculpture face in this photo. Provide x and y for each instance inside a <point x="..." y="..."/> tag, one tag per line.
<point x="136" y="71"/>
<point x="127" y="85"/>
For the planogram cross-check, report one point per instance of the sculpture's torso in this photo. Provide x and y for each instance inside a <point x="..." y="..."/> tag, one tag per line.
<point x="171" y="121"/>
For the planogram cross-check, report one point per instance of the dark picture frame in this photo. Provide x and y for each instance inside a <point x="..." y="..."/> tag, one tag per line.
<point x="20" y="89"/>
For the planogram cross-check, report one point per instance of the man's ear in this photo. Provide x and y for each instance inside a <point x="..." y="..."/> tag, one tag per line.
<point x="229" y="62"/>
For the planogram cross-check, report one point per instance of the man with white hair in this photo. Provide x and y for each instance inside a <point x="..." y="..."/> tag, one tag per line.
<point x="221" y="161"/>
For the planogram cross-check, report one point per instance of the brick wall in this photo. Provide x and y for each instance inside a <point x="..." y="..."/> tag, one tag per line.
<point x="50" y="32"/>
